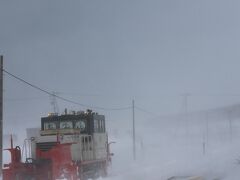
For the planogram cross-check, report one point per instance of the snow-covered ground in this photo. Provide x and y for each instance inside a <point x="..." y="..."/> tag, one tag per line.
<point x="171" y="150"/>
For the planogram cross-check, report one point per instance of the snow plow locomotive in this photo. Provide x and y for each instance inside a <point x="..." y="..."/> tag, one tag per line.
<point x="70" y="146"/>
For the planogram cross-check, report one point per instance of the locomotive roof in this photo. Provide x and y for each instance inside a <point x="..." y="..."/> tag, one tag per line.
<point x="70" y="117"/>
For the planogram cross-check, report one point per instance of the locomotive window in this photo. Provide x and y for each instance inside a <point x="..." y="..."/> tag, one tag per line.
<point x="80" y="125"/>
<point x="96" y="125"/>
<point x="101" y="125"/>
<point x="104" y="128"/>
<point x="66" y="125"/>
<point x="50" y="125"/>
<point x="102" y="122"/>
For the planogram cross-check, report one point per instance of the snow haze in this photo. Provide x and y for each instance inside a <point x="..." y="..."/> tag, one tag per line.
<point x="179" y="61"/>
<point x="165" y="149"/>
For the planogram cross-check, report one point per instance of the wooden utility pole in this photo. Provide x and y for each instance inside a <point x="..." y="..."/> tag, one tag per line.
<point x="185" y="98"/>
<point x="134" y="137"/>
<point x="1" y="111"/>
<point x="230" y="124"/>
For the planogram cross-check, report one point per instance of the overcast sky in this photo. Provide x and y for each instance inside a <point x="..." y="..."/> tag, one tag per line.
<point x="107" y="52"/>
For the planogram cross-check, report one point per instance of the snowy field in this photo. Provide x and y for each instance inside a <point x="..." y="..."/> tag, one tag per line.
<point x="172" y="150"/>
<point x="160" y="163"/>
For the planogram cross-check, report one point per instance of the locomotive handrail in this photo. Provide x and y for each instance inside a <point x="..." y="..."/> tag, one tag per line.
<point x="26" y="148"/>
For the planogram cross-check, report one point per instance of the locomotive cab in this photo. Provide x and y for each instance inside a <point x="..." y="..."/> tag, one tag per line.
<point x="80" y="123"/>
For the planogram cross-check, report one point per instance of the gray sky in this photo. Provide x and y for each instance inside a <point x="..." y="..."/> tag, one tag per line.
<point x="105" y="53"/>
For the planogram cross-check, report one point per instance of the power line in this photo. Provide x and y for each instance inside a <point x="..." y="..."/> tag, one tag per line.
<point x="62" y="98"/>
<point x="146" y="111"/>
<point x="24" y="99"/>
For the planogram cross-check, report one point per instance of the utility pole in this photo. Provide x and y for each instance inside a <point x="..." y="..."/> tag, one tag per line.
<point x="133" y="130"/>
<point x="207" y="127"/>
<point x="54" y="103"/>
<point x="1" y="111"/>
<point x="185" y="99"/>
<point x="229" y="113"/>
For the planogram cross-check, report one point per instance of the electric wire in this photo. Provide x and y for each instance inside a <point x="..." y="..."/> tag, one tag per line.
<point x="62" y="98"/>
<point x="146" y="111"/>
<point x="23" y="99"/>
